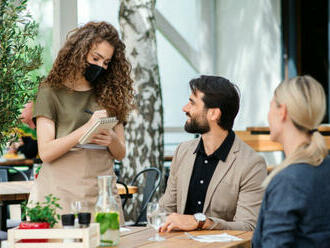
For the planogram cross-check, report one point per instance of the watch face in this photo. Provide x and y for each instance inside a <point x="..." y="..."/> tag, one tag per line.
<point x="200" y="217"/>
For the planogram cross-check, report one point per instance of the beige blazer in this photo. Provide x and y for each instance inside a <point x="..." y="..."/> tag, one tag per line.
<point x="234" y="194"/>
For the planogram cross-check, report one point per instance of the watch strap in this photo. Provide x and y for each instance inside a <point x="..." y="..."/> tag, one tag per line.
<point x="200" y="224"/>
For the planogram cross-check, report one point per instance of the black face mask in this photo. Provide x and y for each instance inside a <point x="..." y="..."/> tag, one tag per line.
<point x="93" y="72"/>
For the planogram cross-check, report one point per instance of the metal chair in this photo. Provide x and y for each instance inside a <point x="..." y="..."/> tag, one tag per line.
<point x="124" y="196"/>
<point x="152" y="178"/>
<point x="4" y="173"/>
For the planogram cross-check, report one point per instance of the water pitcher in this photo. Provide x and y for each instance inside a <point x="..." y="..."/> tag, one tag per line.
<point x="107" y="212"/>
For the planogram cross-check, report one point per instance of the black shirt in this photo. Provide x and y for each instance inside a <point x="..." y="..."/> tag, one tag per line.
<point x="203" y="170"/>
<point x="29" y="147"/>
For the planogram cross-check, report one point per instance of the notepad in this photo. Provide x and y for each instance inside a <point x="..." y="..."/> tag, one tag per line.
<point x="102" y="123"/>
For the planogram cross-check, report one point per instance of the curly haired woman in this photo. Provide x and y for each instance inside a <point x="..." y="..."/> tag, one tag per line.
<point x="89" y="73"/>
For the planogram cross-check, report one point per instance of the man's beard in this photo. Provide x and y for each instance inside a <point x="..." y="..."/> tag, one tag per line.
<point x="194" y="127"/>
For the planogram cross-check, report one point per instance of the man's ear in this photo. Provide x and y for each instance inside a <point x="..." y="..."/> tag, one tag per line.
<point x="214" y="114"/>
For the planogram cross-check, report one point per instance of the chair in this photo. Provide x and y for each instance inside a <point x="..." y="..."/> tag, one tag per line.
<point x="4" y="173"/>
<point x="126" y="195"/>
<point x="3" y="176"/>
<point x="116" y="167"/>
<point x="152" y="178"/>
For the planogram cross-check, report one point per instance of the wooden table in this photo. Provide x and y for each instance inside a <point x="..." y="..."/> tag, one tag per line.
<point x="19" y="162"/>
<point x="259" y="142"/>
<point x="138" y="237"/>
<point x="325" y="130"/>
<point x="18" y="191"/>
<point x="259" y="138"/>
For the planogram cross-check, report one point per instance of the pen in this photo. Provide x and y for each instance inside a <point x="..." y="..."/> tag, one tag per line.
<point x="88" y="111"/>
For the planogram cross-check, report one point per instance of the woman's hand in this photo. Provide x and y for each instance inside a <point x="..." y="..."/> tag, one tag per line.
<point x="96" y="115"/>
<point x="105" y="138"/>
<point x="114" y="139"/>
<point x="51" y="148"/>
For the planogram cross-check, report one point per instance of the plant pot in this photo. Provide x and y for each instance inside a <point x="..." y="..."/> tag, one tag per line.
<point x="34" y="225"/>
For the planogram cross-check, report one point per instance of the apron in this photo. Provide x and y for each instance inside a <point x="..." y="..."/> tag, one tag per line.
<point x="73" y="177"/>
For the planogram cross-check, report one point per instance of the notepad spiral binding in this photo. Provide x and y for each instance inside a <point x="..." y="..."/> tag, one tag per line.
<point x="106" y="123"/>
<point x="108" y="120"/>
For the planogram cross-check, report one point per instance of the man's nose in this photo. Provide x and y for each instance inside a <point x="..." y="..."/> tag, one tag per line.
<point x="185" y="108"/>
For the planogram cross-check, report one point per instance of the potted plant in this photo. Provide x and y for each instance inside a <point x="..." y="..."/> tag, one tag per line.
<point x="40" y="216"/>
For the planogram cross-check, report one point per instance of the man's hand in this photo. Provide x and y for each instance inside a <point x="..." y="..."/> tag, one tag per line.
<point x="182" y="222"/>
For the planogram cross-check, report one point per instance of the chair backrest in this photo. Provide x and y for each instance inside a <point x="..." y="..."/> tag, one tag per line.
<point x="4" y="174"/>
<point x="152" y="178"/>
<point x="116" y="167"/>
<point x="123" y="196"/>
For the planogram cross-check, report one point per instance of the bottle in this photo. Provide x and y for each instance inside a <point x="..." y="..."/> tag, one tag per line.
<point x="68" y="223"/>
<point x="107" y="212"/>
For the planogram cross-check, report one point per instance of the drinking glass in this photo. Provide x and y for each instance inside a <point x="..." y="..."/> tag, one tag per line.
<point x="156" y="217"/>
<point x="78" y="207"/>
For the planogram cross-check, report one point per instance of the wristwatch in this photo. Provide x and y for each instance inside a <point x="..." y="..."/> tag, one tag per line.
<point x="200" y="218"/>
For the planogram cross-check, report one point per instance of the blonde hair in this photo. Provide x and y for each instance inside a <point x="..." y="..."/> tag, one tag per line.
<point x="306" y="105"/>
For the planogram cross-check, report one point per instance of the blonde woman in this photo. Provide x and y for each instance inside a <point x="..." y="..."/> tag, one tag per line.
<point x="296" y="207"/>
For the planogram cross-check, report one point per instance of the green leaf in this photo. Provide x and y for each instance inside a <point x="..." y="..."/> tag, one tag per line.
<point x="103" y="227"/>
<point x="107" y="241"/>
<point x="43" y="212"/>
<point x="113" y="219"/>
<point x="108" y="221"/>
<point x="99" y="217"/>
<point x="19" y="59"/>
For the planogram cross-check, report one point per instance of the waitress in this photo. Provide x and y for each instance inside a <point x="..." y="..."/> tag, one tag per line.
<point x="92" y="73"/>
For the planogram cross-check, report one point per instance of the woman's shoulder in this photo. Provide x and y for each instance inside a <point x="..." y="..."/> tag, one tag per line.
<point x="51" y="91"/>
<point x="46" y="90"/>
<point x="45" y="93"/>
<point x="302" y="172"/>
<point x="48" y="95"/>
<point x="305" y="168"/>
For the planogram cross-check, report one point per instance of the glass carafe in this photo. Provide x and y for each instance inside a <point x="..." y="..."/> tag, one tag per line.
<point x="107" y="212"/>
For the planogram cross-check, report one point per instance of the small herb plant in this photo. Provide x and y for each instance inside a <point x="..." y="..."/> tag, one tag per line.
<point x="43" y="212"/>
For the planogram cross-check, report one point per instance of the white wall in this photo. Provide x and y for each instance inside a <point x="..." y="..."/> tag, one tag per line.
<point x="249" y="54"/>
<point x="175" y="72"/>
<point x="98" y="10"/>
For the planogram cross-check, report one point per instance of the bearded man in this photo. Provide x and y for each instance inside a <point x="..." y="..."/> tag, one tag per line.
<point x="215" y="180"/>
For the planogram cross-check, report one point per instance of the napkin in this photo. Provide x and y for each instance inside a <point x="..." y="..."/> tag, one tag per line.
<point x="4" y="244"/>
<point x="123" y="229"/>
<point x="224" y="237"/>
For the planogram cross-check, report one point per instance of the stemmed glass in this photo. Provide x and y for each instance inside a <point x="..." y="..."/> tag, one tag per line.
<point x="78" y="207"/>
<point x="156" y="217"/>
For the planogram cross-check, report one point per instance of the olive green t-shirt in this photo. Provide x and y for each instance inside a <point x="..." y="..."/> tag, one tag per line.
<point x="65" y="107"/>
